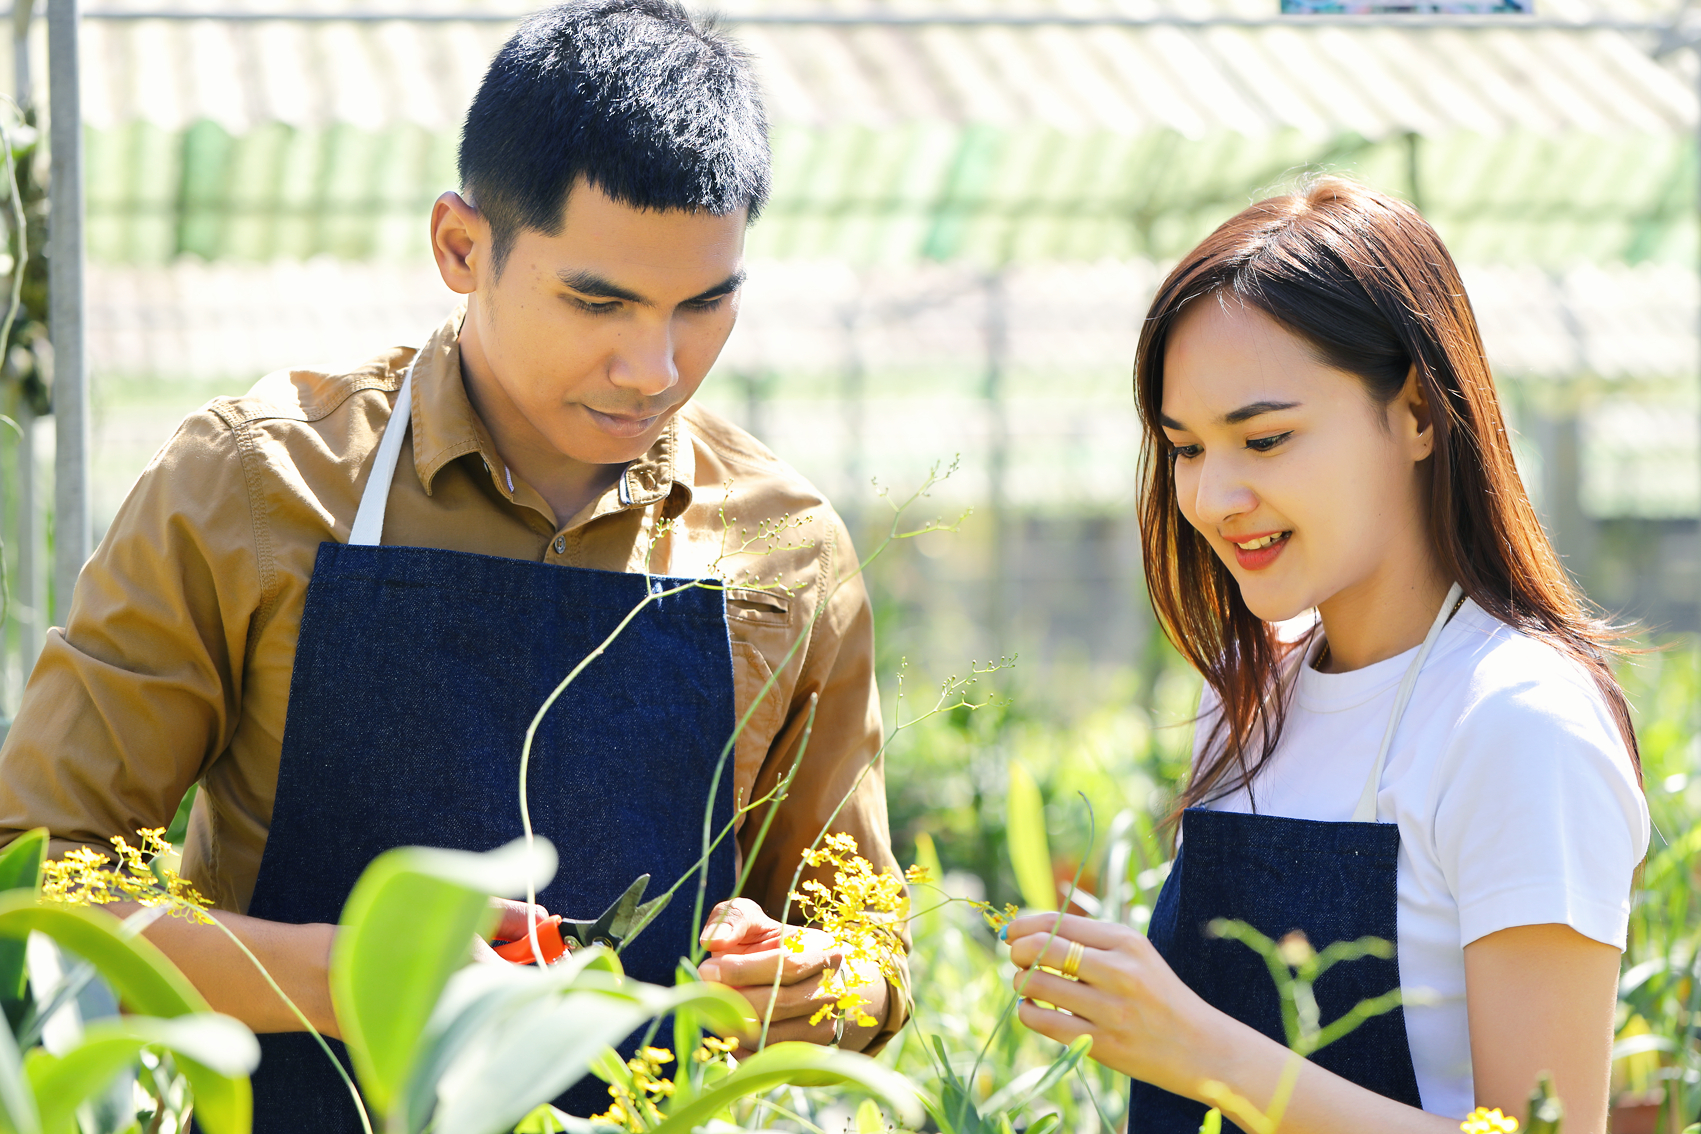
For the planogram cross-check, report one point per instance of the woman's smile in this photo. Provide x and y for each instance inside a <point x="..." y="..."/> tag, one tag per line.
<point x="1255" y="553"/>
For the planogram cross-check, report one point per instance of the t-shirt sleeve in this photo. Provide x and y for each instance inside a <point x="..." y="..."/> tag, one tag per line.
<point x="1540" y="819"/>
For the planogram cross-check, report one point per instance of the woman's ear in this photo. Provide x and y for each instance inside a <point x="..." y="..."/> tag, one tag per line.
<point x="1415" y="422"/>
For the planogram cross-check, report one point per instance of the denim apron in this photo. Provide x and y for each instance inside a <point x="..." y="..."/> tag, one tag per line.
<point x="1331" y="881"/>
<point x="416" y="674"/>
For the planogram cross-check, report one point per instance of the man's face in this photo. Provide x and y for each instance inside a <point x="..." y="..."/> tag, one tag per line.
<point x="596" y="336"/>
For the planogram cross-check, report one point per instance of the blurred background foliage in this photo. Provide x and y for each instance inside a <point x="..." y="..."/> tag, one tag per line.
<point x="973" y="204"/>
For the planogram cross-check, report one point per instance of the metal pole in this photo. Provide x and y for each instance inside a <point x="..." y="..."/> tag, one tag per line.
<point x="999" y="605"/>
<point x="71" y="535"/>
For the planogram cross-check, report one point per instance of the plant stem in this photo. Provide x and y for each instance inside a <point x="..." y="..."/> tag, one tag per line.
<point x="353" y="1091"/>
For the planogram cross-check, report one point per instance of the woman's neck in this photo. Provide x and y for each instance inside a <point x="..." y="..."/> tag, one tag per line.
<point x="1381" y="617"/>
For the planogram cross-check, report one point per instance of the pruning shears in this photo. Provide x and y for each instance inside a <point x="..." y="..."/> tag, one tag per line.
<point x="619" y="923"/>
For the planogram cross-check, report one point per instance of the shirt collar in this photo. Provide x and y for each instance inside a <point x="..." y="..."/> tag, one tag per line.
<point x="446" y="427"/>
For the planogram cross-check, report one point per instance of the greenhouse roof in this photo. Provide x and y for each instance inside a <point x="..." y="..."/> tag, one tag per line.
<point x="936" y="132"/>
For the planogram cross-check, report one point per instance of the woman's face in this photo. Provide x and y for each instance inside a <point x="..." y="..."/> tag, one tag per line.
<point x="1306" y="489"/>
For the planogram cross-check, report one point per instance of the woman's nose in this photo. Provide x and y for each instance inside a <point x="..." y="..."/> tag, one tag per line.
<point x="1221" y="492"/>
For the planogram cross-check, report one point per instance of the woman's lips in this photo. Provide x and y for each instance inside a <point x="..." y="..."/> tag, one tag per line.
<point x="1262" y="557"/>
<point x="621" y="426"/>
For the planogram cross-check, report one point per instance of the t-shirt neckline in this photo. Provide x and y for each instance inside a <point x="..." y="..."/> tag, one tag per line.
<point x="1319" y="692"/>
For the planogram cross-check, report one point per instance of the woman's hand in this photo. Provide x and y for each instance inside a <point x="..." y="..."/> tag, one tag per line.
<point x="1143" y="1020"/>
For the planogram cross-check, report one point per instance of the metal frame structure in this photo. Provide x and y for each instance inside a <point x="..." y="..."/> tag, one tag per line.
<point x="71" y="479"/>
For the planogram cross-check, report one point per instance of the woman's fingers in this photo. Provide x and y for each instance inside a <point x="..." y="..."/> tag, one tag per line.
<point x="1053" y="953"/>
<point x="1081" y="1000"/>
<point x="1073" y="927"/>
<point x="1052" y="1024"/>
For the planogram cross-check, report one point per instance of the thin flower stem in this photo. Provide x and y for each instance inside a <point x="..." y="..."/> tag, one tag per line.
<point x="1056" y="925"/>
<point x="650" y="596"/>
<point x="342" y="1072"/>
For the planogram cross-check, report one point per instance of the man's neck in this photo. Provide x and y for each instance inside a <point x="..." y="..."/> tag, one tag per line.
<point x="565" y="484"/>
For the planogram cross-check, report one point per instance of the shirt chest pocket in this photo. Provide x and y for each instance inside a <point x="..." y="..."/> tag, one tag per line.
<point x="755" y="696"/>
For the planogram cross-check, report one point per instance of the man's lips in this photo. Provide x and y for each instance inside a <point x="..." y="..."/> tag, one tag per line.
<point x="622" y="425"/>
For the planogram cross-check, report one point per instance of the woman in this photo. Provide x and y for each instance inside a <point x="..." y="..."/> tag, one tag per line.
<point x="1442" y="759"/>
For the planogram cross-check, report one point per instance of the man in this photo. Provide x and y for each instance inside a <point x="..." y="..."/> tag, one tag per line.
<point x="337" y="602"/>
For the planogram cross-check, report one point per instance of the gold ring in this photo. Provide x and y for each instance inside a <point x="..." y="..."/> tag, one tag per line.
<point x="1072" y="962"/>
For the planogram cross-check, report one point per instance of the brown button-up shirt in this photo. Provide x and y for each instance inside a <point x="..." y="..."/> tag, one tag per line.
<point x="175" y="666"/>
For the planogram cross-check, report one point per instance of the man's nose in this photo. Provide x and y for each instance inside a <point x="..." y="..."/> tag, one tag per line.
<point x="644" y="362"/>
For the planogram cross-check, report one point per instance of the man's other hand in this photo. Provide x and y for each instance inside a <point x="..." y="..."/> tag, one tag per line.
<point x="746" y="949"/>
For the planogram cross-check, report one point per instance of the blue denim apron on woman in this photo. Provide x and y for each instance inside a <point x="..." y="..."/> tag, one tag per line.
<point x="1332" y="882"/>
<point x="416" y="674"/>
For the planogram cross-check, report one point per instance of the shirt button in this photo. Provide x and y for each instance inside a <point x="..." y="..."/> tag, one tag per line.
<point x="560" y="545"/>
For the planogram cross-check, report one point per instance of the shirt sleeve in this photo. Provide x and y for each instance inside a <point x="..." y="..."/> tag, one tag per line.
<point x="128" y="705"/>
<point x="1540" y="818"/>
<point x="841" y="764"/>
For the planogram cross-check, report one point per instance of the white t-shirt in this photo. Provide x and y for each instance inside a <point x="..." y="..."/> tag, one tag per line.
<point x="1514" y="793"/>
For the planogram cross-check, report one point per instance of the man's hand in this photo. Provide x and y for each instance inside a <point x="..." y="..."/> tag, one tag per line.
<point x="510" y="927"/>
<point x="747" y="948"/>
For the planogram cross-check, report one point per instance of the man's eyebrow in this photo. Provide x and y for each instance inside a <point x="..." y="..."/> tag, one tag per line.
<point x="726" y="287"/>
<point x="1253" y="409"/>
<point x="589" y="283"/>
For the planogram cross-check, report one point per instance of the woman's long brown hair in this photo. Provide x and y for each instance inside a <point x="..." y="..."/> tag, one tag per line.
<point x="1366" y="281"/>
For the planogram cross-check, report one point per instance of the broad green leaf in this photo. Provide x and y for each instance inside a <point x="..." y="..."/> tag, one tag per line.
<point x="18" y="1113"/>
<point x="135" y="968"/>
<point x="1030" y="854"/>
<point x="20" y="869"/>
<point x="64" y="1083"/>
<point x="1038" y="1081"/>
<point x="1045" y="1123"/>
<point x="407" y="927"/>
<point x="144" y="980"/>
<point x="548" y="1042"/>
<point x="788" y="1063"/>
<point x="869" y="1120"/>
<point x="543" y="1120"/>
<point x="224" y="1050"/>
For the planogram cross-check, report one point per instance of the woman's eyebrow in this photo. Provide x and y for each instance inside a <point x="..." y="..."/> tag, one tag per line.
<point x="1252" y="410"/>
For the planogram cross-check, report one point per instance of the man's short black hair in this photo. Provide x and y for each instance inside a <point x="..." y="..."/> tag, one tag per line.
<point x="656" y="110"/>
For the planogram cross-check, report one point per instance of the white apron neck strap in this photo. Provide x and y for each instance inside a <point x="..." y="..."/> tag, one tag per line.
<point x="368" y="529"/>
<point x="1365" y="812"/>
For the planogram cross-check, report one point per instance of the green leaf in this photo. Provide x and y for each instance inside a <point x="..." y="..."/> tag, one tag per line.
<point x="225" y="1050"/>
<point x="543" y="1120"/>
<point x="138" y="972"/>
<point x="143" y="979"/>
<point x="548" y="1037"/>
<point x="20" y="869"/>
<point x="869" y="1119"/>
<point x="406" y="928"/>
<point x="1045" y="1123"/>
<point x="1038" y="1081"/>
<point x="783" y="1064"/>
<point x="18" y="1113"/>
<point x="1030" y="855"/>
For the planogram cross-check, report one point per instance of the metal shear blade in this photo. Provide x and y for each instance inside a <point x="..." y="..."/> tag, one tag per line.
<point x="621" y="921"/>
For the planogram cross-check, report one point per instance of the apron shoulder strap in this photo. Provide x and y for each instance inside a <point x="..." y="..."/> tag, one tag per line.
<point x="368" y="528"/>
<point x="1365" y="812"/>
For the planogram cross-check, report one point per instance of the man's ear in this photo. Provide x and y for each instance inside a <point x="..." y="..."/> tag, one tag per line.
<point x="460" y="239"/>
<point x="1418" y="421"/>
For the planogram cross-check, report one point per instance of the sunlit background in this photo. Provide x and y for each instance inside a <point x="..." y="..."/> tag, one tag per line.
<point x="973" y="203"/>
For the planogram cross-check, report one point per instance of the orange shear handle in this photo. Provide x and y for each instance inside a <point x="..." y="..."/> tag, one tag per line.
<point x="549" y="939"/>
